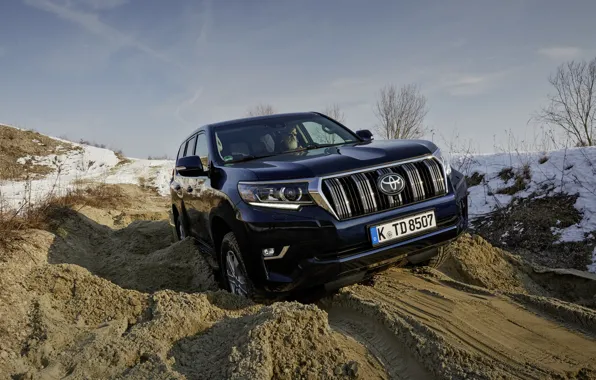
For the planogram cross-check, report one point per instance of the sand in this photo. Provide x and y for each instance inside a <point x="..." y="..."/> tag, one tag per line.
<point x="107" y="296"/>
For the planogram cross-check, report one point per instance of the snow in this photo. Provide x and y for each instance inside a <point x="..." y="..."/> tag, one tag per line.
<point x="87" y="163"/>
<point x="570" y="171"/>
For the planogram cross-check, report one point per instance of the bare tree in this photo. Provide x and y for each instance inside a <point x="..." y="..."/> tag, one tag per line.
<point x="401" y="112"/>
<point x="261" y="110"/>
<point x="572" y="107"/>
<point x="335" y="112"/>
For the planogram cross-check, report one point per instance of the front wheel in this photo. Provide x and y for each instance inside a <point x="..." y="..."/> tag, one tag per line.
<point x="235" y="276"/>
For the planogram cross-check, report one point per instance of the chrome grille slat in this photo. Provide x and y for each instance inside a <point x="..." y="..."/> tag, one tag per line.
<point x="340" y="190"/>
<point x="415" y="181"/>
<point x="370" y="192"/>
<point x="424" y="180"/>
<point x="366" y="194"/>
<point x="337" y="200"/>
<point x="435" y="171"/>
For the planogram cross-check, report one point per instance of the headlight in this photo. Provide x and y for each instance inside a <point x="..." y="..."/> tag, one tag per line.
<point x="276" y="195"/>
<point x="444" y="160"/>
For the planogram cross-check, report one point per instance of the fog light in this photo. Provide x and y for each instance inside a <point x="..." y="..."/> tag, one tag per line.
<point x="267" y="252"/>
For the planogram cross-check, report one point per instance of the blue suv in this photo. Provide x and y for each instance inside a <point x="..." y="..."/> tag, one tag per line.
<point x="296" y="201"/>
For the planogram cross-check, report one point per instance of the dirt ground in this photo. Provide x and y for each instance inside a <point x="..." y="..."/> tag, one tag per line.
<point x="108" y="294"/>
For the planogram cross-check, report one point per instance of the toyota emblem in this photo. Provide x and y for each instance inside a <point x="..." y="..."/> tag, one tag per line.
<point x="391" y="184"/>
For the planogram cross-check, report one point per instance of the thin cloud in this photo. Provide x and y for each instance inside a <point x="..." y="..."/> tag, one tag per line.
<point x="473" y="84"/>
<point x="91" y="23"/>
<point x="345" y="83"/>
<point x="458" y="43"/>
<point x="186" y="104"/>
<point x="98" y="4"/>
<point x="560" y="52"/>
<point x="206" y="24"/>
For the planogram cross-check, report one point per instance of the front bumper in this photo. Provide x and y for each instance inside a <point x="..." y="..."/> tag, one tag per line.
<point x="314" y="248"/>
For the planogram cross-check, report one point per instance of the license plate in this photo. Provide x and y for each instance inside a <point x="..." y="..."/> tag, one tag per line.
<point x="400" y="228"/>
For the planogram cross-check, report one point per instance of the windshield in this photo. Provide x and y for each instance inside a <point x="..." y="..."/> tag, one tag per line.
<point x="272" y="136"/>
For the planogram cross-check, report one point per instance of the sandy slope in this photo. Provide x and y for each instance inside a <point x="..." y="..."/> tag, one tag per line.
<point x="101" y="297"/>
<point x="459" y="331"/>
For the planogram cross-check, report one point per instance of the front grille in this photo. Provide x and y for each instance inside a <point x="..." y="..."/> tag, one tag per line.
<point x="355" y="195"/>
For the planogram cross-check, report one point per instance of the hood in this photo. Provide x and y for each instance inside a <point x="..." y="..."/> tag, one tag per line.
<point x="325" y="161"/>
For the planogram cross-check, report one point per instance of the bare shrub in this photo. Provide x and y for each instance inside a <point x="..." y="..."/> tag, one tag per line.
<point x="572" y="106"/>
<point x="161" y="157"/>
<point x="460" y="152"/>
<point x="401" y="112"/>
<point x="261" y="110"/>
<point x="334" y="111"/>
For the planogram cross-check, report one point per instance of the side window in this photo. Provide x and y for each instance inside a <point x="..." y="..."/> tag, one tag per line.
<point x="190" y="147"/>
<point x="202" y="149"/>
<point x="318" y="134"/>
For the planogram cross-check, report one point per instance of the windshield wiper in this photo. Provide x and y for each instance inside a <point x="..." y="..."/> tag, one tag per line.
<point x="317" y="146"/>
<point x="250" y="157"/>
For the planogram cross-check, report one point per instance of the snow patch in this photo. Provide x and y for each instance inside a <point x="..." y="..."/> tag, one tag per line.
<point x="85" y="164"/>
<point x="569" y="171"/>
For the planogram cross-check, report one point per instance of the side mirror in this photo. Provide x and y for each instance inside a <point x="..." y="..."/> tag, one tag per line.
<point x="365" y="134"/>
<point x="190" y="166"/>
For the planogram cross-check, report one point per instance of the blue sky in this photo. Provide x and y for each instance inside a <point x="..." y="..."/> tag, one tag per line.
<point x="141" y="74"/>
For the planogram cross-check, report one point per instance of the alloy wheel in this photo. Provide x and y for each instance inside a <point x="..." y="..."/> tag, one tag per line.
<point x="235" y="275"/>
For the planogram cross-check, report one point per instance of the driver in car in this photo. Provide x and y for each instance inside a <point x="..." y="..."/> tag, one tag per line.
<point x="289" y="139"/>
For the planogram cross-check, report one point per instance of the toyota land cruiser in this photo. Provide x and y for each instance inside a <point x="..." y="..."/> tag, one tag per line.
<point x="293" y="201"/>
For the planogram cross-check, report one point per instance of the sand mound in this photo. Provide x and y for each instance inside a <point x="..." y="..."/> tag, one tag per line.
<point x="140" y="256"/>
<point x="282" y="341"/>
<point x="90" y="301"/>
<point x="460" y="332"/>
<point x="87" y="327"/>
<point x="475" y="261"/>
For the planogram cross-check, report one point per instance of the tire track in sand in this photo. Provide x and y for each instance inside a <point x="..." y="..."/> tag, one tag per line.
<point x="458" y="333"/>
<point x="380" y="342"/>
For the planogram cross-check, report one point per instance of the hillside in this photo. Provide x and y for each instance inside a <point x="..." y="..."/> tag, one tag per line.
<point x="59" y="165"/>
<point x="541" y="204"/>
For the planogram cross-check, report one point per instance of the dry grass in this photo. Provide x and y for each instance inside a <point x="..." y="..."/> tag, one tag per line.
<point x="522" y="176"/>
<point x="122" y="158"/>
<point x="48" y="212"/>
<point x="475" y="179"/>
<point x="15" y="144"/>
<point x="506" y="174"/>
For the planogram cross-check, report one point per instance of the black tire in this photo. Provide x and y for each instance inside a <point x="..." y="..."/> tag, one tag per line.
<point x="229" y="245"/>
<point x="441" y="257"/>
